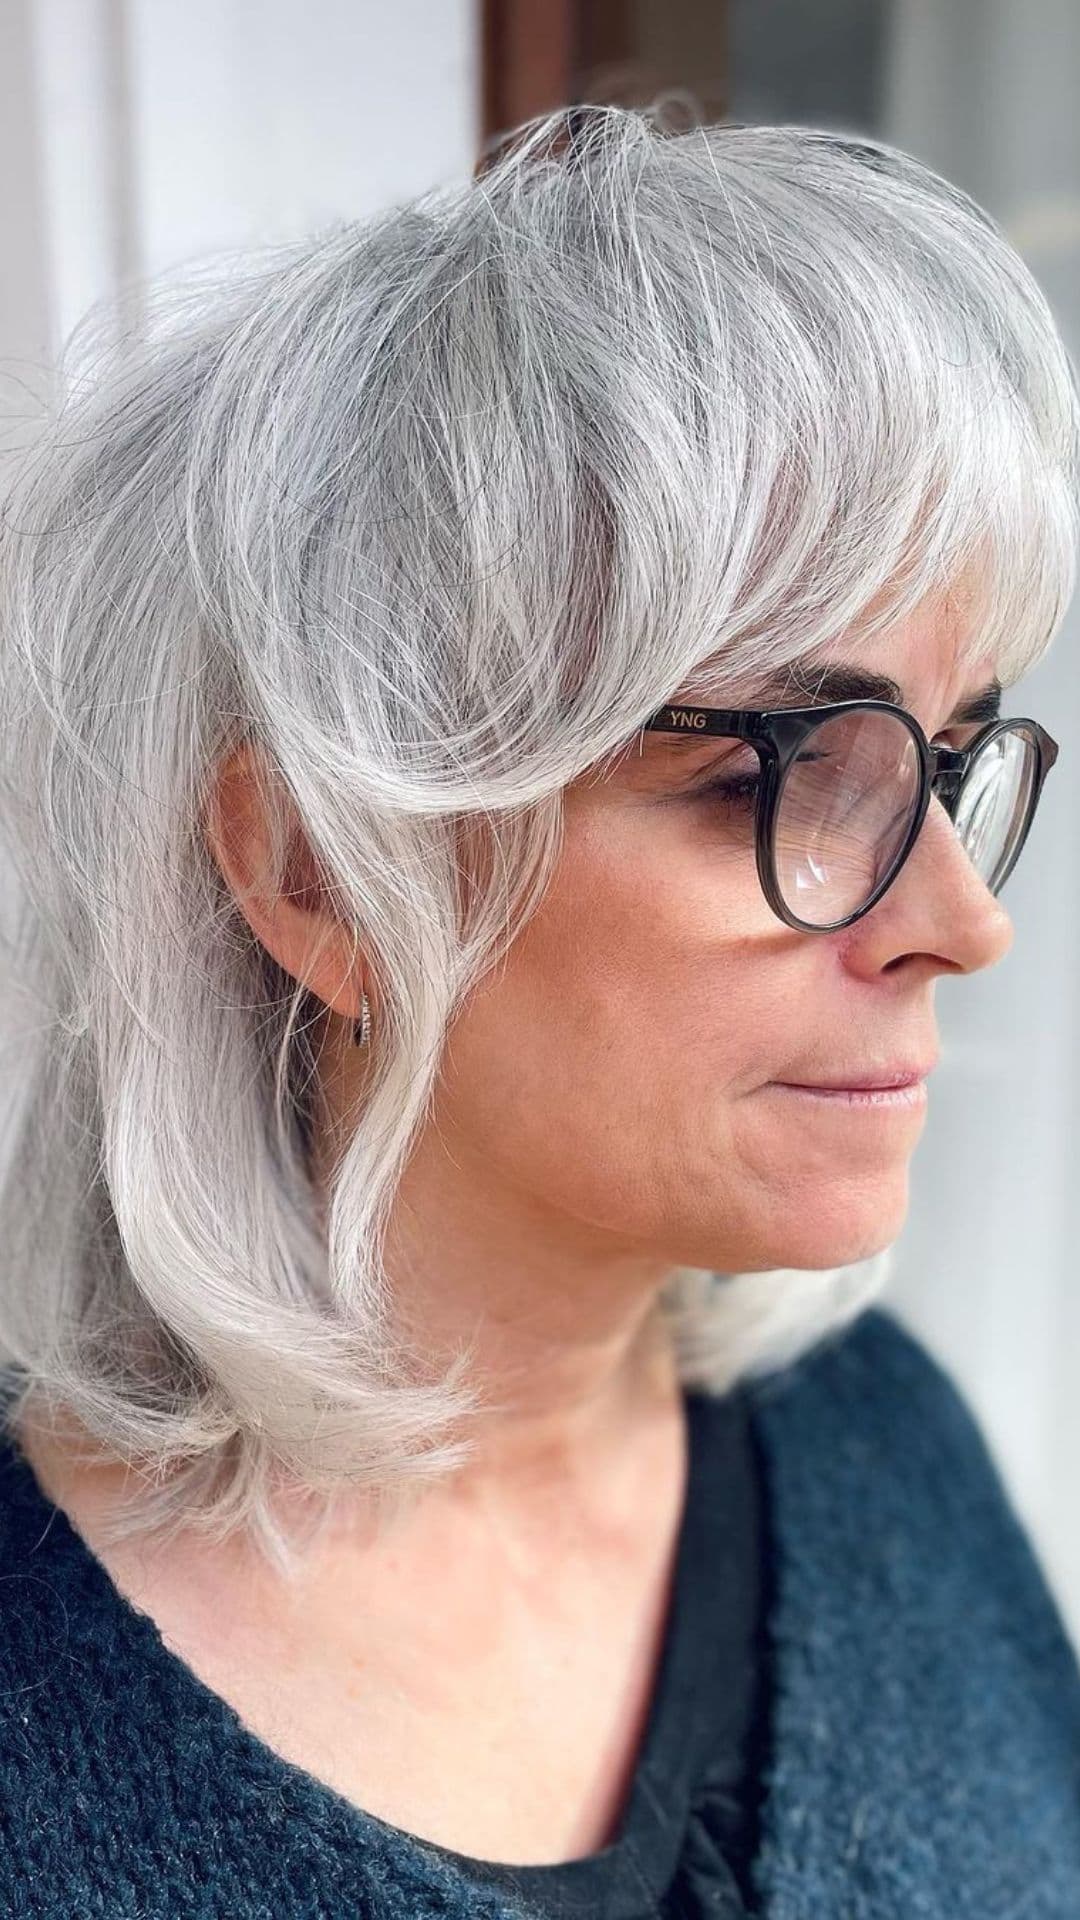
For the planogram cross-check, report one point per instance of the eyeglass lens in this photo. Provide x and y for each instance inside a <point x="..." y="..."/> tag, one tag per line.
<point x="849" y="800"/>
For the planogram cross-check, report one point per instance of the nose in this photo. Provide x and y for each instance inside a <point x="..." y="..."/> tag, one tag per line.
<point x="939" y="904"/>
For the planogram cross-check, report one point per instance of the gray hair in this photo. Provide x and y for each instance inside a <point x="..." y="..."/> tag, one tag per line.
<point x="436" y="510"/>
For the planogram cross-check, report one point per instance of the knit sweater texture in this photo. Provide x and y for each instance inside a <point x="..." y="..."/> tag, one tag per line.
<point x="925" y="1758"/>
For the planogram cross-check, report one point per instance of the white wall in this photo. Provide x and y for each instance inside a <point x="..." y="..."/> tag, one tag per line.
<point x="986" y="1269"/>
<point x="150" y="131"/>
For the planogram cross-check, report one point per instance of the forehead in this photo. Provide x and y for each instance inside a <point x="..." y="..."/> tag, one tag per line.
<point x="918" y="662"/>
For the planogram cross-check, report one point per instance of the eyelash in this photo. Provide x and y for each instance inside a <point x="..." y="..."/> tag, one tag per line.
<point x="739" y="792"/>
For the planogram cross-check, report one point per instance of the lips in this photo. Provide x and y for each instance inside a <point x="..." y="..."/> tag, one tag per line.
<point x="841" y="1082"/>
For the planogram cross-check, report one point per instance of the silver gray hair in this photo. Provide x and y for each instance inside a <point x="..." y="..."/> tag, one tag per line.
<point x="436" y="510"/>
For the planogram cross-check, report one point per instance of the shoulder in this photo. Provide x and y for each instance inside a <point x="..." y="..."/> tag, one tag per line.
<point x="871" y="1398"/>
<point x="879" y="1464"/>
<point x="875" y="1381"/>
<point x="927" y="1697"/>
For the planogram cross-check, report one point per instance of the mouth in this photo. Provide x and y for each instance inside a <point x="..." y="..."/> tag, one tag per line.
<point x="904" y="1096"/>
<point x="899" y="1074"/>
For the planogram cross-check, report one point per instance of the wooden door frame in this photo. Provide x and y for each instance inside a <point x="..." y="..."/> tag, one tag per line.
<point x="528" y="60"/>
<point x="539" y="55"/>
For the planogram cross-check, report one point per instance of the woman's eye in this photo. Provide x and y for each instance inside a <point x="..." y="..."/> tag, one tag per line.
<point x="739" y="791"/>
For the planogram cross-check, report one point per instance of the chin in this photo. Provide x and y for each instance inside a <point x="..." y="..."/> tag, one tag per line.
<point x="822" y="1241"/>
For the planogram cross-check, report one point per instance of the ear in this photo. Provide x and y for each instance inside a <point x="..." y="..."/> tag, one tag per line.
<point x="291" y="913"/>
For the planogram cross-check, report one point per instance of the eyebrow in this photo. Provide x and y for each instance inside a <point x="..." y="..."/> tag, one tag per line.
<point x="842" y="682"/>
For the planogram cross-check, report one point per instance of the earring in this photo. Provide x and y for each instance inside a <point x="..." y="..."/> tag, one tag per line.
<point x="362" y="1029"/>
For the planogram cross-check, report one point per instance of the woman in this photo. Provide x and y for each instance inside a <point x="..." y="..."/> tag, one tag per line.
<point x="478" y="690"/>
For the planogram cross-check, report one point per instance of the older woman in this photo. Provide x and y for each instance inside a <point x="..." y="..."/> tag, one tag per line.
<point x="503" y="734"/>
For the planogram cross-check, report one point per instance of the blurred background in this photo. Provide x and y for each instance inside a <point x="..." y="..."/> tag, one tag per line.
<point x="137" y="133"/>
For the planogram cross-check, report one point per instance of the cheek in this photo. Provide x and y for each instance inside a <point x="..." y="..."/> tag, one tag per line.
<point x="647" y="993"/>
<point x="611" y="1074"/>
<point x="669" y="955"/>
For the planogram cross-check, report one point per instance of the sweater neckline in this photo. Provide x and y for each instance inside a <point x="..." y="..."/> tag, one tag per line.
<point x="683" y="1736"/>
<point x="639" y="1863"/>
<point x="925" y="1706"/>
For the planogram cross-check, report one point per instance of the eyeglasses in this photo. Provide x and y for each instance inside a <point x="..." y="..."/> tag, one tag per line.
<point x="841" y="792"/>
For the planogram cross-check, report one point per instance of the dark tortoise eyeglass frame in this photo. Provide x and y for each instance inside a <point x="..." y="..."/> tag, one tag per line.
<point x="779" y="734"/>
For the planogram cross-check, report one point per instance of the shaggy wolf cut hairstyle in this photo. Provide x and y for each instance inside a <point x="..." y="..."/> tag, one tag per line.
<point x="436" y="510"/>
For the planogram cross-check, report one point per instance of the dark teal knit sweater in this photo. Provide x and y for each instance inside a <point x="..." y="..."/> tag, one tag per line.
<point x="926" y="1722"/>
